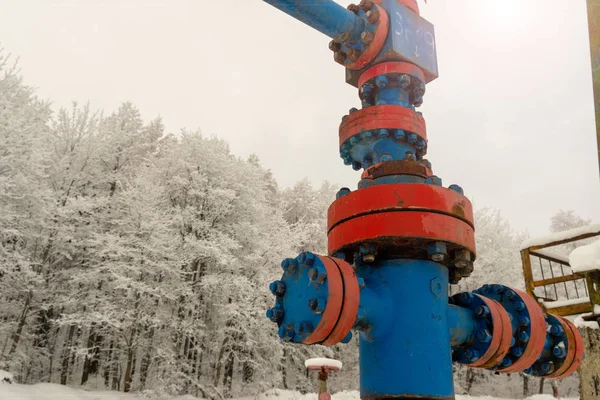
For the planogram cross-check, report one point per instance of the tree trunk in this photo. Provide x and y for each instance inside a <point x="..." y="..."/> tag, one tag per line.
<point x="65" y="356"/>
<point x="90" y="363"/>
<point x="228" y="374"/>
<point x="219" y="364"/>
<point x="108" y="365"/>
<point x="130" y="362"/>
<point x="541" y="391"/>
<point x="17" y="335"/>
<point x="146" y="360"/>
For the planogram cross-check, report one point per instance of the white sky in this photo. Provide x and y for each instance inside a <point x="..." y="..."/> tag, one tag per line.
<point x="510" y="119"/>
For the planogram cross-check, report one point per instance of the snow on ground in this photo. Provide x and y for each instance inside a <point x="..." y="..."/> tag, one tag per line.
<point x="542" y="240"/>
<point x="51" y="391"/>
<point x="564" y="303"/>
<point x="585" y="258"/>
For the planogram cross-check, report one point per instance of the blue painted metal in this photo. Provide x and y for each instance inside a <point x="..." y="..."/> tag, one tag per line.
<point x="303" y="280"/>
<point x="462" y="325"/>
<point x="372" y="147"/>
<point x="326" y="16"/>
<point x="412" y="39"/>
<point x="408" y="355"/>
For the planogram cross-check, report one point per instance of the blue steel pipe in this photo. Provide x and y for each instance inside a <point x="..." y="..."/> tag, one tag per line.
<point x="326" y="16"/>
<point x="462" y="324"/>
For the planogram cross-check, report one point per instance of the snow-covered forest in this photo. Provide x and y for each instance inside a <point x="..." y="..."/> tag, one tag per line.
<point x="135" y="259"/>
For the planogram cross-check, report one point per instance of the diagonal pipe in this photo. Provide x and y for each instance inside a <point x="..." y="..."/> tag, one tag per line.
<point x="326" y="16"/>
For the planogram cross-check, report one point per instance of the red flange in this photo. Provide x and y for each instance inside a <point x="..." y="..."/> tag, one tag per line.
<point x="576" y="349"/>
<point x="537" y="336"/>
<point x="376" y="45"/>
<point x="501" y="335"/>
<point x="335" y="288"/>
<point x="571" y="348"/>
<point x="391" y="67"/>
<point x="382" y="117"/>
<point x="400" y="197"/>
<point x="396" y="167"/>
<point x="349" y="306"/>
<point x="401" y="227"/>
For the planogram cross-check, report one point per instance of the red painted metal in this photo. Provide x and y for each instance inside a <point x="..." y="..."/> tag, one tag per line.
<point x="382" y="117"/>
<point x="578" y="351"/>
<point x="501" y="335"/>
<point x="537" y="335"/>
<point x="349" y="306"/>
<point x="396" y="167"/>
<point x="400" y="197"/>
<point x="335" y="287"/>
<point x="376" y="45"/>
<point x="571" y="349"/>
<point x="401" y="227"/>
<point x="392" y="67"/>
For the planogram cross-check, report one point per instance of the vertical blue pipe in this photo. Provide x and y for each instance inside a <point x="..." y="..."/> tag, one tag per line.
<point x="411" y="356"/>
<point x="326" y="16"/>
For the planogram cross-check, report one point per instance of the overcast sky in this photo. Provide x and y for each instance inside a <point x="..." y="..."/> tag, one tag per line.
<point x="510" y="118"/>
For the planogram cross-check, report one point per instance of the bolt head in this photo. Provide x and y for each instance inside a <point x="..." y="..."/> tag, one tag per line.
<point x="366" y="5"/>
<point x="410" y="156"/>
<point x="524" y="321"/>
<point x="286" y="332"/>
<point x="400" y="135"/>
<point x="334" y="46"/>
<point x="412" y="138"/>
<point x="404" y="81"/>
<point x="482" y="311"/>
<point x="484" y="336"/>
<point x="372" y="16"/>
<point x="339" y="57"/>
<point x="361" y="282"/>
<point x="438" y="257"/>
<point x="556" y="330"/>
<point x="381" y="81"/>
<point x="347" y="338"/>
<point x="516" y="351"/>
<point x="523" y="336"/>
<point x="353" y="54"/>
<point x="457" y="189"/>
<point x="467" y="297"/>
<point x="559" y="351"/>
<point x="366" y="37"/>
<point x="385" y="157"/>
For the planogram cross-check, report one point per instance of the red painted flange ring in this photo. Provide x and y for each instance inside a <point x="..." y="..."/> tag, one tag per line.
<point x="401" y="226"/>
<point x="396" y="167"/>
<point x="537" y="335"/>
<point x="391" y="67"/>
<point x="400" y="197"/>
<point x="578" y="351"/>
<point x="506" y="337"/>
<point x="335" y="288"/>
<point x="571" y="349"/>
<point x="501" y="335"/>
<point x="382" y="117"/>
<point x="349" y="306"/>
<point x="376" y="45"/>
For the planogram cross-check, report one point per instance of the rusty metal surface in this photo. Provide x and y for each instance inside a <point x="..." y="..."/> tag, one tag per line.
<point x="349" y="305"/>
<point x="391" y="68"/>
<point x="335" y="286"/>
<point x="400" y="197"/>
<point x="593" y="11"/>
<point x="420" y="225"/>
<point x="382" y="117"/>
<point x="558" y="279"/>
<point x="397" y="167"/>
